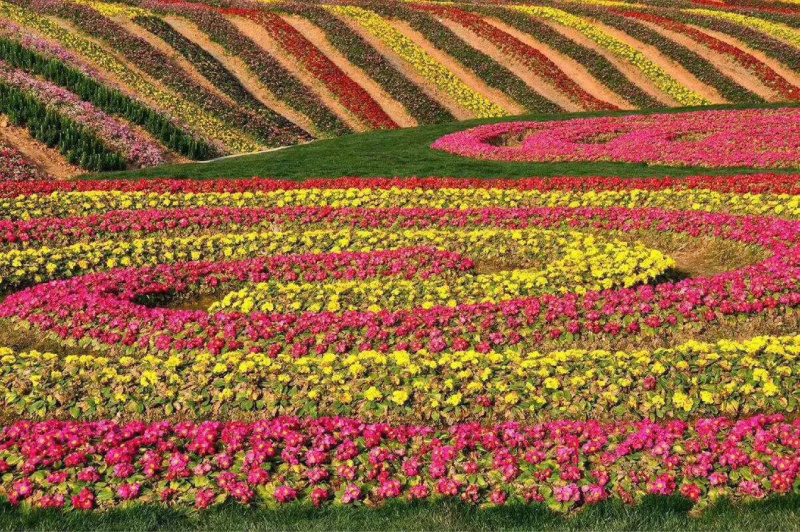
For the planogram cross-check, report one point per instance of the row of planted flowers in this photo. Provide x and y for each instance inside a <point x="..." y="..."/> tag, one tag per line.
<point x="31" y="209"/>
<point x="565" y="464"/>
<point x="694" y="379"/>
<point x="751" y="189"/>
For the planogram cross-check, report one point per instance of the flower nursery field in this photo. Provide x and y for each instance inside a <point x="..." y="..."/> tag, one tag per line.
<point x="513" y="266"/>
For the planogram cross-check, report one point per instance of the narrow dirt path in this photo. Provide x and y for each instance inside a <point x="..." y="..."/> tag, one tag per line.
<point x="569" y="66"/>
<point x="467" y="77"/>
<point x="522" y="71"/>
<point x="790" y="75"/>
<point x="238" y="68"/>
<point x="722" y="62"/>
<point x="628" y="70"/>
<point x="407" y="70"/>
<point x="392" y="107"/>
<point x="262" y="38"/>
<point x="48" y="160"/>
<point x="676" y="71"/>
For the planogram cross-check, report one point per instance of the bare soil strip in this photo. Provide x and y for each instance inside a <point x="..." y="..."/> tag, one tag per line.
<point x="48" y="160"/>
<point x="391" y="106"/>
<point x="790" y="75"/>
<point x="569" y="66"/>
<point x="722" y="62"/>
<point x="460" y="113"/>
<point x="468" y="78"/>
<point x="676" y="71"/>
<point x="262" y="38"/>
<point x="630" y="71"/>
<point x="522" y="71"/>
<point x="238" y="68"/>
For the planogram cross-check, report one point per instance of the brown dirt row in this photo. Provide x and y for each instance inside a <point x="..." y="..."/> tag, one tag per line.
<point x="261" y="37"/>
<point x="390" y="106"/>
<point x="48" y="160"/>
<point x="162" y="46"/>
<point x="520" y="70"/>
<point x="628" y="70"/>
<point x="790" y="75"/>
<point x="569" y="66"/>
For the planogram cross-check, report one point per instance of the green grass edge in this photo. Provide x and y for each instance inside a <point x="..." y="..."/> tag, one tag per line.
<point x="406" y="153"/>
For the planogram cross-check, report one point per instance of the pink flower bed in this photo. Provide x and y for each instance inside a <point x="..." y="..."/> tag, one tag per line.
<point x="763" y="138"/>
<point x="346" y="461"/>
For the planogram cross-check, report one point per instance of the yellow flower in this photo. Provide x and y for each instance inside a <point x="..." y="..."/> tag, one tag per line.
<point x="400" y="397"/>
<point x="373" y="394"/>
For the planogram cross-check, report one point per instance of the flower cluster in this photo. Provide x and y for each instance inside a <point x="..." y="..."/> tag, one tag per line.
<point x="565" y="464"/>
<point x="15" y="167"/>
<point x="763" y="138"/>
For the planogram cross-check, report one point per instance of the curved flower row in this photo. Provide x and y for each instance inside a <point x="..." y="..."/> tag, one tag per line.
<point x="427" y="66"/>
<point x="765" y="138"/>
<point x="654" y="73"/>
<point x="583" y="263"/>
<point x="82" y="309"/>
<point x="346" y="461"/>
<point x="33" y="216"/>
<point x="691" y="380"/>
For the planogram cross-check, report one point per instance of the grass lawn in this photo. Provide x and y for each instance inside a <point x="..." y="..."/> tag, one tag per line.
<point x="653" y="514"/>
<point x="407" y="153"/>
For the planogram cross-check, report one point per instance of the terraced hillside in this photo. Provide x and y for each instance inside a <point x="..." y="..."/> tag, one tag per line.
<point x="91" y="85"/>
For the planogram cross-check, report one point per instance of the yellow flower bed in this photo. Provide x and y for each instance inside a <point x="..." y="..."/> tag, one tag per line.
<point x="692" y="380"/>
<point x="66" y="204"/>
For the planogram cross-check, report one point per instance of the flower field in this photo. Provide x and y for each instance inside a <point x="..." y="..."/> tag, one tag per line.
<point x="174" y="80"/>
<point x="349" y="342"/>
<point x="535" y="264"/>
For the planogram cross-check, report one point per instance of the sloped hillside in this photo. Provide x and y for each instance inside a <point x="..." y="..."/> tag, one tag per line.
<point x="139" y="83"/>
